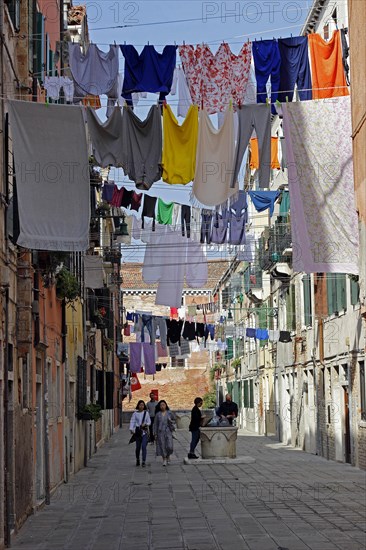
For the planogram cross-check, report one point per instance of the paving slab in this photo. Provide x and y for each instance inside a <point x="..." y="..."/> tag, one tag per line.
<point x="276" y="498"/>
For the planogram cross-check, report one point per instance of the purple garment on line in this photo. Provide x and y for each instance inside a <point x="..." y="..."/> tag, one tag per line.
<point x="323" y="213"/>
<point x="160" y="350"/>
<point x="219" y="227"/>
<point x="149" y="358"/>
<point x="238" y="219"/>
<point x="135" y="357"/>
<point x="107" y="192"/>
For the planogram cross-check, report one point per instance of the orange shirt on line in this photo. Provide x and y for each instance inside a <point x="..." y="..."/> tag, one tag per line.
<point x="254" y="154"/>
<point x="92" y="101"/>
<point x="327" y="72"/>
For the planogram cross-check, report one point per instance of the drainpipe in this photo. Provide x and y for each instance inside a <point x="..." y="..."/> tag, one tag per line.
<point x="8" y="442"/>
<point x="46" y="412"/>
<point x="318" y="435"/>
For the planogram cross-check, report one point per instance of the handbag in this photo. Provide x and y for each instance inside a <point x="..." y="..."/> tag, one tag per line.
<point x="138" y="431"/>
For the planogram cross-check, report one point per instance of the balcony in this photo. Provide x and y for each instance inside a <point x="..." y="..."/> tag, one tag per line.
<point x="277" y="248"/>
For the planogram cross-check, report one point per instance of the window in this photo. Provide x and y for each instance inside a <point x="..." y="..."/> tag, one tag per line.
<point x="39" y="62"/>
<point x="336" y="292"/>
<point x="246" y="394"/>
<point x="306" y="282"/>
<point x="81" y="386"/>
<point x="229" y="353"/>
<point x="14" y="12"/>
<point x="362" y="390"/>
<point x="175" y="362"/>
<point x="25" y="380"/>
<point x="355" y="291"/>
<point x="251" y="394"/>
<point x="51" y="392"/>
<point x="290" y="309"/>
<point x="326" y="32"/>
<point x="58" y="390"/>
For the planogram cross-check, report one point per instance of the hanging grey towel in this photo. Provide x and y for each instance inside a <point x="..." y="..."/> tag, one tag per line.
<point x="142" y="147"/>
<point x="106" y="137"/>
<point x="93" y="271"/>
<point x="52" y="175"/>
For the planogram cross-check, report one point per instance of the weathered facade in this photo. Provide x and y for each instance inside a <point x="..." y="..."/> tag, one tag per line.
<point x="309" y="392"/>
<point x="52" y="345"/>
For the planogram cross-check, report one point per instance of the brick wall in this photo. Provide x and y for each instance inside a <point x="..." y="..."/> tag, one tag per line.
<point x="178" y="386"/>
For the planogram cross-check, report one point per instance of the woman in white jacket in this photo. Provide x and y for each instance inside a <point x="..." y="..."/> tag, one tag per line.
<point x="139" y="425"/>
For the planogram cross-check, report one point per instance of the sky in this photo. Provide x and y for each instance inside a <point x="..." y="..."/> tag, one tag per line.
<point x="150" y="22"/>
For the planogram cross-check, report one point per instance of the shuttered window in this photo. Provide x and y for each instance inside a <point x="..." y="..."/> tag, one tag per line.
<point x="229" y="353"/>
<point x="355" y="292"/>
<point x="306" y="281"/>
<point x="251" y="394"/>
<point x="81" y="385"/>
<point x="336" y="292"/>
<point x="246" y="394"/>
<point x="290" y="309"/>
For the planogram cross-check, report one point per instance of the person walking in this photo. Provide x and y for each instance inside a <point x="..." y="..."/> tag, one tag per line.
<point x="194" y="426"/>
<point x="164" y="425"/>
<point x="139" y="425"/>
<point x="151" y="406"/>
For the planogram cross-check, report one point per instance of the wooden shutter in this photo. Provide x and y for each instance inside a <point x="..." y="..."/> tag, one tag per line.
<point x="306" y="280"/>
<point x="246" y="394"/>
<point x="355" y="292"/>
<point x="229" y="352"/>
<point x="109" y="388"/>
<point x="330" y="293"/>
<point x="290" y="308"/>
<point x="341" y="295"/>
<point x="251" y="394"/>
<point x="81" y="384"/>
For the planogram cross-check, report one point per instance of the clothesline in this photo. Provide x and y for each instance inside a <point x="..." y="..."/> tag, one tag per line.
<point x="218" y="41"/>
<point x="20" y="97"/>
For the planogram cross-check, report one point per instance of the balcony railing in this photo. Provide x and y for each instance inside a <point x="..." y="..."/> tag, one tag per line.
<point x="253" y="278"/>
<point x="271" y="250"/>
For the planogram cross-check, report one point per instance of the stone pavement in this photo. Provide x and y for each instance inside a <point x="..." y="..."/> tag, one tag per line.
<point x="286" y="499"/>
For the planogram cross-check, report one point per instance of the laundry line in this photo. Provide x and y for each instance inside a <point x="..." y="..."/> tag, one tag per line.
<point x="159" y="102"/>
<point x="218" y="41"/>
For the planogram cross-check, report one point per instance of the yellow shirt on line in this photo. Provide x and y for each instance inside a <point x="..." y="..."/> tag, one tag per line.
<point x="179" y="146"/>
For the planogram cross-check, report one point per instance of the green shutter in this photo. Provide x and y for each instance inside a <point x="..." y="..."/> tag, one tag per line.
<point x="355" y="292"/>
<point x="340" y="290"/>
<point x="285" y="203"/>
<point x="306" y="280"/>
<point x="251" y="394"/>
<point x="330" y="293"/>
<point x="229" y="387"/>
<point x="235" y="395"/>
<point x="246" y="394"/>
<point x="230" y="349"/>
<point x="290" y="308"/>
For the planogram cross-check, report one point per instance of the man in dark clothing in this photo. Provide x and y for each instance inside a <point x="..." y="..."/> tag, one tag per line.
<point x="194" y="426"/>
<point x="228" y="409"/>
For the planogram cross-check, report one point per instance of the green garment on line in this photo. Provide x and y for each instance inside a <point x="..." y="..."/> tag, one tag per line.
<point x="165" y="212"/>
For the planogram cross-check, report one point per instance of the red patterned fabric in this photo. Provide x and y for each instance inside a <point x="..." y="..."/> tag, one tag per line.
<point x="215" y="79"/>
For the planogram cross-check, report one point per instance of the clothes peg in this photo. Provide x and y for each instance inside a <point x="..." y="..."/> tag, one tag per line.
<point x="278" y="103"/>
<point x="267" y="100"/>
<point x="287" y="99"/>
<point x="230" y="104"/>
<point x="184" y="42"/>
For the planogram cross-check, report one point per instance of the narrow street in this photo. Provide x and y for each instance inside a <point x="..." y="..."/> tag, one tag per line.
<point x="286" y="499"/>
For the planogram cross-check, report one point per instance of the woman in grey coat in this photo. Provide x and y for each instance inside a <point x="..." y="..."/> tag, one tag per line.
<point x="164" y="425"/>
